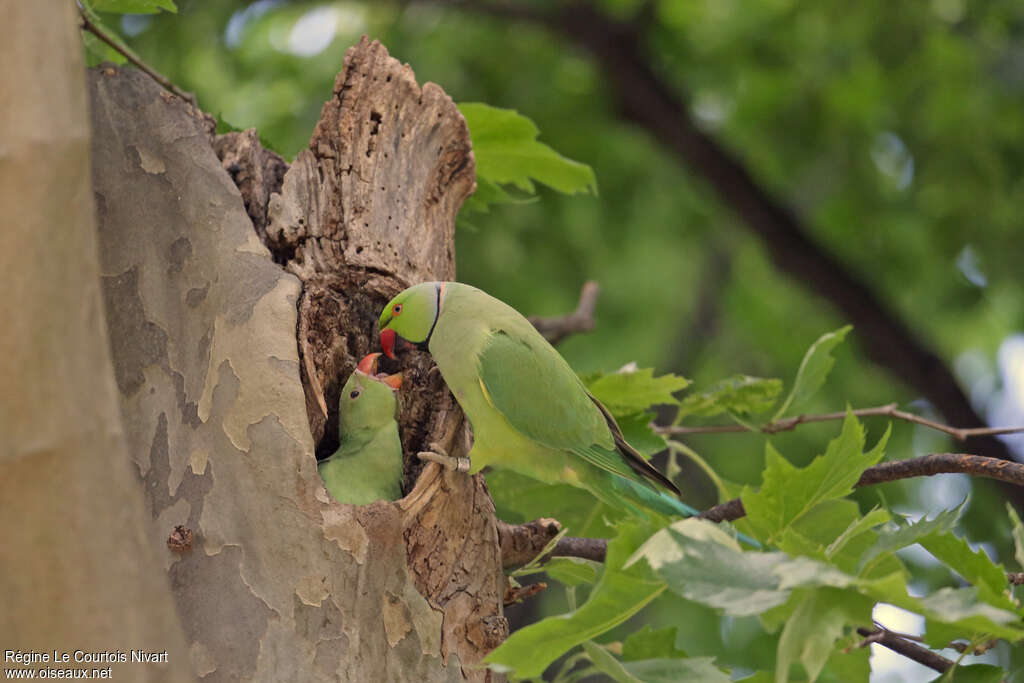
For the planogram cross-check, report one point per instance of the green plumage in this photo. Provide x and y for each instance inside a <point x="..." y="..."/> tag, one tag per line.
<point x="529" y="410"/>
<point x="368" y="463"/>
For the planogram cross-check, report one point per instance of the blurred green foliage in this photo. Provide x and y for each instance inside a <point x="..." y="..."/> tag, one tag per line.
<point x="893" y="129"/>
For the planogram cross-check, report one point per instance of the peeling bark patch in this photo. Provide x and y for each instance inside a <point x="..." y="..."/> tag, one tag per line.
<point x="150" y="163"/>
<point x="341" y="527"/>
<point x="395" y="617"/>
<point x="157" y="480"/>
<point x="250" y="285"/>
<point x="159" y="469"/>
<point x="196" y="296"/>
<point x="311" y="590"/>
<point x="135" y="341"/>
<point x="219" y="581"/>
<point x="180" y="250"/>
<point x="190" y="409"/>
<point x="322" y="624"/>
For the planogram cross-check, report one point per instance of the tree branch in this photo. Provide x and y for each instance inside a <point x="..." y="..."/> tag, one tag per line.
<point x="959" y="433"/>
<point x="925" y="466"/>
<point x="557" y="328"/>
<point x="521" y="543"/>
<point x="587" y="548"/>
<point x="118" y="47"/>
<point x="894" y="642"/>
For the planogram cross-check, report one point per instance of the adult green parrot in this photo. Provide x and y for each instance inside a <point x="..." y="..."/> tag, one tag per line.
<point x="368" y="464"/>
<point x="529" y="410"/>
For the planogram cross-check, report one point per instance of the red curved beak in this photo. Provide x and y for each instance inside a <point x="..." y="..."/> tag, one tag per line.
<point x="368" y="365"/>
<point x="387" y="342"/>
<point x="393" y="381"/>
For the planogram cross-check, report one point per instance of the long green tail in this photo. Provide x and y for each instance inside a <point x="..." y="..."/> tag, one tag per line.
<point x="630" y="492"/>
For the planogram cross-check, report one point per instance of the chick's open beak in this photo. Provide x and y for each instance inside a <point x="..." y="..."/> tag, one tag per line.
<point x="368" y="365"/>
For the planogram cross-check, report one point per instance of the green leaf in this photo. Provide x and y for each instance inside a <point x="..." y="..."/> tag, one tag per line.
<point x="858" y="528"/>
<point x="788" y="493"/>
<point x="636" y="429"/>
<point x="891" y="540"/>
<point x="632" y="392"/>
<point x="507" y="152"/>
<point x="655" y="670"/>
<point x="962" y="608"/>
<point x="1018" y="535"/>
<point x="810" y="634"/>
<point x="814" y="368"/>
<point x="572" y="571"/>
<point x="741" y="395"/>
<point x="133" y="6"/>
<point x="844" y="666"/>
<point x="664" y="670"/>
<point x="619" y="594"/>
<point x="700" y="562"/>
<point x="486" y="194"/>
<point x="973" y="673"/>
<point x="607" y="664"/>
<point x="650" y="644"/>
<point x="975" y="566"/>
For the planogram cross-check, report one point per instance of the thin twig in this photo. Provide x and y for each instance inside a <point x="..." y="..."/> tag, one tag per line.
<point x="979" y="649"/>
<point x="894" y="642"/>
<point x="960" y="434"/>
<point x="516" y="594"/>
<point x="587" y="548"/>
<point x="557" y="328"/>
<point x="117" y="46"/>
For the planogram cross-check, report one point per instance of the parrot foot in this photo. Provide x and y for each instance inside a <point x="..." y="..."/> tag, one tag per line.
<point x="438" y="455"/>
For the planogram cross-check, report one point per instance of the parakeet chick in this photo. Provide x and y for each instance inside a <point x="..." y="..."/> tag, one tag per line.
<point x="368" y="464"/>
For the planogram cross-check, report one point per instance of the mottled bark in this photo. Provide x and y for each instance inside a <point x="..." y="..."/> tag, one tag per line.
<point x="225" y="407"/>
<point x="77" y="565"/>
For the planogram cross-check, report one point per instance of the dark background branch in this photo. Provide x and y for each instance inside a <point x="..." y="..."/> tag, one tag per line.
<point x="894" y="642"/>
<point x="557" y="328"/>
<point x="648" y="101"/>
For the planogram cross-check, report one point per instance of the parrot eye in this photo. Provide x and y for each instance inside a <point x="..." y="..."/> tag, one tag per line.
<point x="397" y="309"/>
<point x="354" y="394"/>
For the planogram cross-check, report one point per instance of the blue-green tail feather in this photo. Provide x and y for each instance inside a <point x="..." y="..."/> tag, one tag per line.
<point x="633" y="496"/>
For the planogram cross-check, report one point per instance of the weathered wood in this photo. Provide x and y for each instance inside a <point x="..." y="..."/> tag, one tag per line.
<point x="77" y="569"/>
<point x="225" y="408"/>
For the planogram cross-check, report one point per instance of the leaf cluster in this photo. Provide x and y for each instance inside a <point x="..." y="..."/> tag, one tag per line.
<point x="825" y="565"/>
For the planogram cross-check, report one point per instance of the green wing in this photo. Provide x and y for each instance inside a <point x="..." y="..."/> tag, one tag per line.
<point x="542" y="398"/>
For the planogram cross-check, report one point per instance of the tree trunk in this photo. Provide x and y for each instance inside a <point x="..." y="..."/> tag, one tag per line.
<point x="79" y="569"/>
<point x="206" y="291"/>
